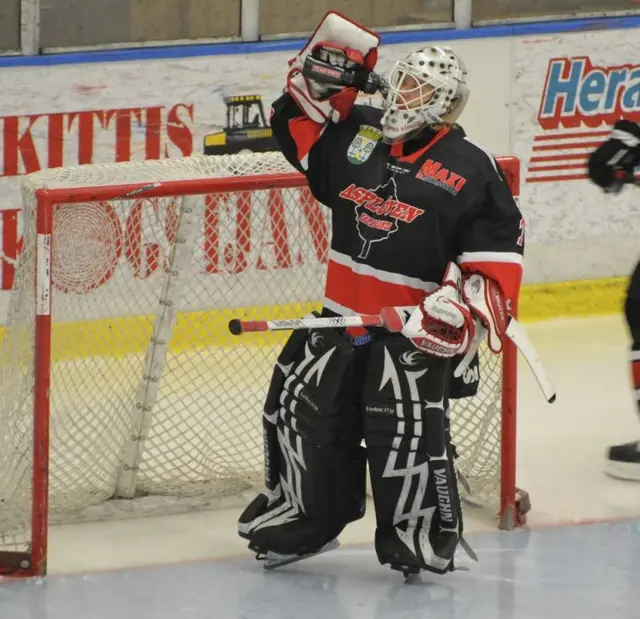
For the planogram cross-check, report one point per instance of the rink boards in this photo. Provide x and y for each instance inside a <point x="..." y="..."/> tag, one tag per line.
<point x="121" y="336"/>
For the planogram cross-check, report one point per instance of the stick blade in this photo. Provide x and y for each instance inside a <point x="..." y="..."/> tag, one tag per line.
<point x="516" y="333"/>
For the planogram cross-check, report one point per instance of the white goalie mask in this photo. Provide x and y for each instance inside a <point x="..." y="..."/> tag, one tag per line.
<point x="427" y="88"/>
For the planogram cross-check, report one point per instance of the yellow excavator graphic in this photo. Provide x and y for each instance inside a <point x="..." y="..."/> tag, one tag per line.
<point x="246" y="130"/>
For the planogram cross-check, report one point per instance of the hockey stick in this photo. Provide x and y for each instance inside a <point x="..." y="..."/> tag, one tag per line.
<point x="237" y="327"/>
<point x="393" y="320"/>
<point x="516" y="333"/>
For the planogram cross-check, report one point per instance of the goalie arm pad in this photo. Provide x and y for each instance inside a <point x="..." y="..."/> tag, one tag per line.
<point x="337" y="42"/>
<point x="492" y="239"/>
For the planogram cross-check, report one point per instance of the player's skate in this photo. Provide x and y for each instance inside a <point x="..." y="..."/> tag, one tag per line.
<point x="273" y="559"/>
<point x="623" y="461"/>
<point x="392" y="548"/>
<point x="392" y="551"/>
<point x="280" y="533"/>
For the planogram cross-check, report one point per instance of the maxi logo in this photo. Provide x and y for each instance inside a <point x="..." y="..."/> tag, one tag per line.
<point x="377" y="216"/>
<point x="432" y="172"/>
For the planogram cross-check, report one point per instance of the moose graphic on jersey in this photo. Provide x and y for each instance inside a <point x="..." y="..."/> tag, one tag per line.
<point x="378" y="212"/>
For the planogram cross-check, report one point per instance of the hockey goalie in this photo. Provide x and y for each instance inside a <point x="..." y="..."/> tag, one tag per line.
<point x="421" y="217"/>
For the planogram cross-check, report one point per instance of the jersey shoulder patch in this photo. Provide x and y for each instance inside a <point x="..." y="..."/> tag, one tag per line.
<point x="363" y="144"/>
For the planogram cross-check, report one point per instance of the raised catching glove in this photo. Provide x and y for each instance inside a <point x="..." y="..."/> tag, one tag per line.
<point x="442" y="325"/>
<point x="337" y="42"/>
<point x="612" y="164"/>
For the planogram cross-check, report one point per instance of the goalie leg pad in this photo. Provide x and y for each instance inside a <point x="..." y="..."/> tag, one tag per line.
<point x="315" y="467"/>
<point x="411" y="459"/>
<point x="466" y="385"/>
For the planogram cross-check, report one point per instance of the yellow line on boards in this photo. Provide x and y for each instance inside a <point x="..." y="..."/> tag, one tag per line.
<point x="118" y="337"/>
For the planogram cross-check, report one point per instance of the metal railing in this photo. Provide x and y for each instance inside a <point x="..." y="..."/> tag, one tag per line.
<point x="33" y="27"/>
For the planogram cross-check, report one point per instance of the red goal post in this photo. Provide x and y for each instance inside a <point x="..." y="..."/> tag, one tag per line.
<point x="158" y="249"/>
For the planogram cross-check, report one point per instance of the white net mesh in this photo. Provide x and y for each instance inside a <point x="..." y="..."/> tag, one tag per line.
<point x="150" y="397"/>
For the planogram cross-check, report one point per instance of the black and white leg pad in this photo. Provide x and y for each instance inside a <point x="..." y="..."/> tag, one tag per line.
<point x="315" y="467"/>
<point x="419" y="520"/>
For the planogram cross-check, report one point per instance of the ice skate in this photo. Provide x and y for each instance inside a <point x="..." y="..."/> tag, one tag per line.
<point x="272" y="560"/>
<point x="623" y="461"/>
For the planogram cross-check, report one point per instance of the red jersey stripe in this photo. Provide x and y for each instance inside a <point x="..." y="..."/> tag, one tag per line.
<point x="365" y="294"/>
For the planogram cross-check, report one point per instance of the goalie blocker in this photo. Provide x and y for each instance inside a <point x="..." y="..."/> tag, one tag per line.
<point x="325" y="397"/>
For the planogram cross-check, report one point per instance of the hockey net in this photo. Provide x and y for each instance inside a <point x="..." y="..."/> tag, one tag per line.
<point x="121" y="390"/>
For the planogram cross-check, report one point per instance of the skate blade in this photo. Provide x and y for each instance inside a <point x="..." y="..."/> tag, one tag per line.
<point x="273" y="560"/>
<point x="470" y="551"/>
<point x="627" y="471"/>
<point x="411" y="574"/>
<point x="412" y="578"/>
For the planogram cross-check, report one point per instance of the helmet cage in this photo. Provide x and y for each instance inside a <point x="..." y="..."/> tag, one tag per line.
<point x="438" y="97"/>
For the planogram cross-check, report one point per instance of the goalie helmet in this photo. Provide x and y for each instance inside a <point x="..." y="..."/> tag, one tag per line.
<point x="427" y="88"/>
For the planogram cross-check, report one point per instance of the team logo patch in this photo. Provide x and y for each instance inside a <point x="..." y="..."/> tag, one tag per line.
<point x="363" y="144"/>
<point x="378" y="212"/>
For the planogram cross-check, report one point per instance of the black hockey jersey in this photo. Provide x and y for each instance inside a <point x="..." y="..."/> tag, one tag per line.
<point x="402" y="212"/>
